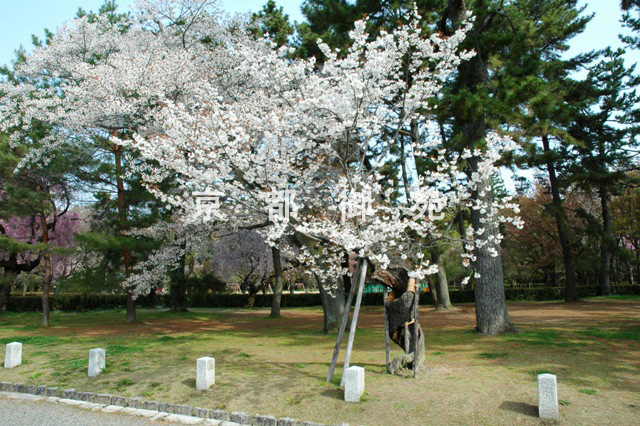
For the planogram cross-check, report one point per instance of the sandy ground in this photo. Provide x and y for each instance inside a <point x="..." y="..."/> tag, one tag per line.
<point x="278" y="366"/>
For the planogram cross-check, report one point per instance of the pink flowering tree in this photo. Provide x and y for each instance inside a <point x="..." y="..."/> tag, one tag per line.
<point x="36" y="226"/>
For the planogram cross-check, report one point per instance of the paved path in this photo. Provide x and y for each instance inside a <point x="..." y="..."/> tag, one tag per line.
<point x="27" y="412"/>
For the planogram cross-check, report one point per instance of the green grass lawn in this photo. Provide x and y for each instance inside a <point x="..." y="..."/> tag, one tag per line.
<point x="278" y="366"/>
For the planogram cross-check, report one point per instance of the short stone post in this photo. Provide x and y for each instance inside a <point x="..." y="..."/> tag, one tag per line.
<point x="97" y="361"/>
<point x="353" y="383"/>
<point x="547" y="396"/>
<point x="205" y="372"/>
<point x="13" y="355"/>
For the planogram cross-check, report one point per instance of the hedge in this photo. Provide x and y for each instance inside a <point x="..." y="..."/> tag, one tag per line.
<point x="72" y="302"/>
<point x="83" y="302"/>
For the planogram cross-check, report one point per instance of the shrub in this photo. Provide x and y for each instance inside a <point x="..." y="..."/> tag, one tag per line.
<point x="85" y="301"/>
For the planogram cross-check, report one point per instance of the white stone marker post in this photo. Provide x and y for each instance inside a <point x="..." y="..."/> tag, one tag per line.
<point x="353" y="383"/>
<point x="13" y="355"/>
<point x="205" y="372"/>
<point x="547" y="396"/>
<point x="97" y="361"/>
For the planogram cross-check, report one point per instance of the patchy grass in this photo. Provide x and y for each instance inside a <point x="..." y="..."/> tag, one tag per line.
<point x="278" y="366"/>
<point x="619" y="334"/>
<point x="615" y="297"/>
<point x="588" y="391"/>
<point x="31" y="340"/>
<point x="540" y="338"/>
<point x="490" y="355"/>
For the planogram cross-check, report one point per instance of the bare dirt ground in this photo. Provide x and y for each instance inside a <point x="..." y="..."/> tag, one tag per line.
<point x="278" y="366"/>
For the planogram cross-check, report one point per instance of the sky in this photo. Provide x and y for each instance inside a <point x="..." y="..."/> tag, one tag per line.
<point x="19" y="19"/>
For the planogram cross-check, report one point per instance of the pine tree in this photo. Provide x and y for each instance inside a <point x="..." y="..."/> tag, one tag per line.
<point x="631" y="20"/>
<point x="271" y="21"/>
<point x="606" y="126"/>
<point x="545" y="92"/>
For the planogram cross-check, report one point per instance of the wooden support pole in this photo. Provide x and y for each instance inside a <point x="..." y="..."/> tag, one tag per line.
<point x="416" y="325"/>
<point x="387" y="349"/>
<point x="343" y="325"/>
<point x="354" y="319"/>
<point x="407" y="341"/>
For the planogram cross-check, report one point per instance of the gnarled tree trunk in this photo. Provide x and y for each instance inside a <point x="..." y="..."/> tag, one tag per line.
<point x="400" y="313"/>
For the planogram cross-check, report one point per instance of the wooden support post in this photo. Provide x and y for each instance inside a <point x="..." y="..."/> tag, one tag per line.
<point x="407" y="341"/>
<point x="343" y="325"/>
<point x="416" y="350"/>
<point x="387" y="349"/>
<point x="354" y="319"/>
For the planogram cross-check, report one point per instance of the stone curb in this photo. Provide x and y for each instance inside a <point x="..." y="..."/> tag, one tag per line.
<point x="177" y="413"/>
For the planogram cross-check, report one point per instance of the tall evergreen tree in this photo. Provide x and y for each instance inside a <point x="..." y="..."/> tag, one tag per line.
<point x="271" y="21"/>
<point x="631" y="20"/>
<point x="540" y="82"/>
<point x="606" y="126"/>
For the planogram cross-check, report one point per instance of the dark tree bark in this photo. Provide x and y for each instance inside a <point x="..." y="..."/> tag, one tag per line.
<point x="491" y="306"/>
<point x="630" y="277"/>
<point x="12" y="269"/>
<point x="122" y="213"/>
<point x="441" y="285"/>
<point x="48" y="272"/>
<point x="332" y="305"/>
<point x="179" y="296"/>
<point x="571" y="293"/>
<point x="636" y="249"/>
<point x="434" y="292"/>
<point x="153" y="297"/>
<point x="5" y="290"/>
<point x="604" y="286"/>
<point x="400" y="312"/>
<point x="179" y="302"/>
<point x="277" y="288"/>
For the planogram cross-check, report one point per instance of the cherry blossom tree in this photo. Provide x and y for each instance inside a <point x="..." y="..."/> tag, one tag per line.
<point x="288" y="148"/>
<point x="276" y="126"/>
<point x="277" y="133"/>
